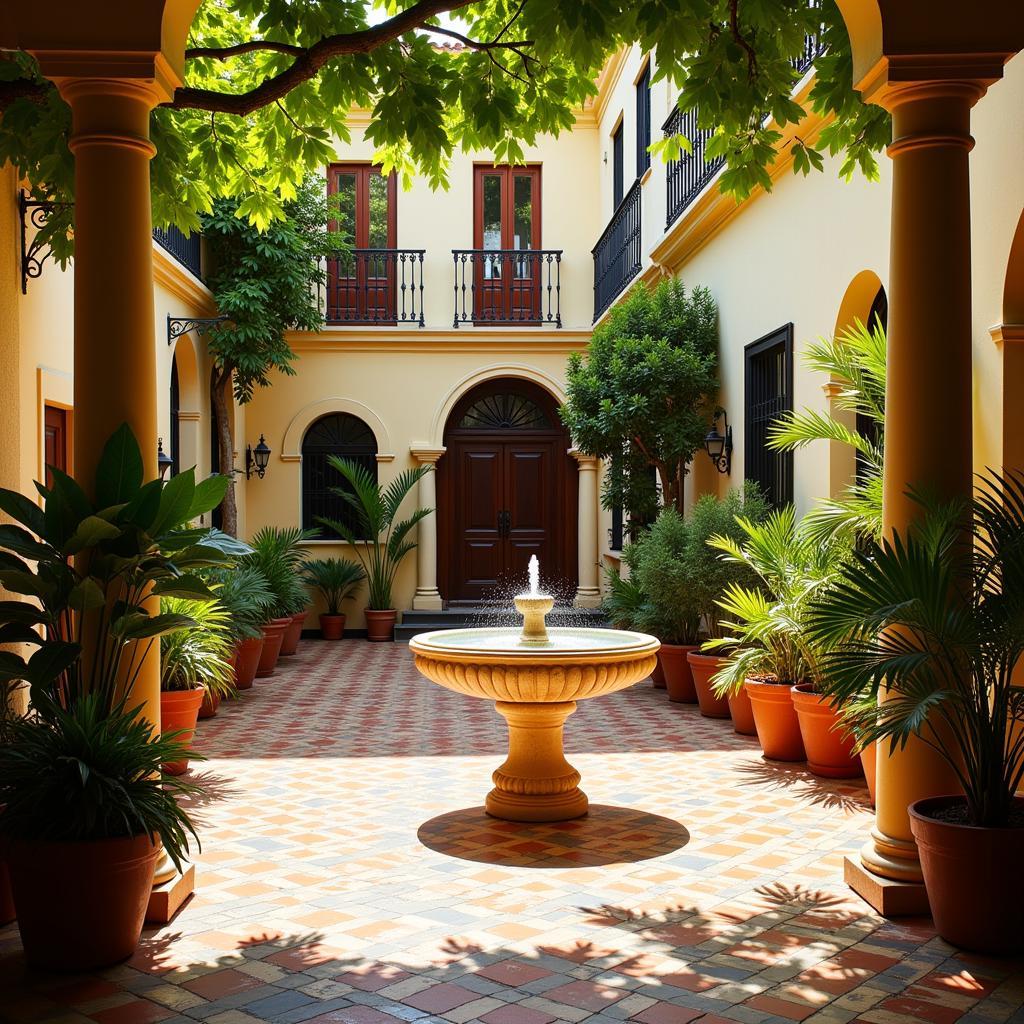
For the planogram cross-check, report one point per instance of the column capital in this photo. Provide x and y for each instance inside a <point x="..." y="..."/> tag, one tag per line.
<point x="586" y="462"/>
<point x="1006" y="334"/>
<point x="426" y="454"/>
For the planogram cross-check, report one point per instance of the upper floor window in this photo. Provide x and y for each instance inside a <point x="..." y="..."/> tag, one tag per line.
<point x="643" y="121"/>
<point x="768" y="393"/>
<point x="618" y="168"/>
<point x="348" y="437"/>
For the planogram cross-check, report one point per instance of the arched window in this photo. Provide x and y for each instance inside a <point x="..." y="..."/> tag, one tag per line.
<point x="348" y="437"/>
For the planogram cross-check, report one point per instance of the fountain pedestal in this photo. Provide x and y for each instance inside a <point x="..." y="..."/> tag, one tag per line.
<point x="536" y="783"/>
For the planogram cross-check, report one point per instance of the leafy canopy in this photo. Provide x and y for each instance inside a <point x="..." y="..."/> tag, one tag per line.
<point x="269" y="84"/>
<point x="642" y="396"/>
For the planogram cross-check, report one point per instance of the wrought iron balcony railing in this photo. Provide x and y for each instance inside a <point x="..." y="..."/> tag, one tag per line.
<point x="186" y="249"/>
<point x="617" y="255"/>
<point x="508" y="286"/>
<point x="376" y="286"/>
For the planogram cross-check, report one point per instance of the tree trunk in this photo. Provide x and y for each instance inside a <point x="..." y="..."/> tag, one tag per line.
<point x="220" y="393"/>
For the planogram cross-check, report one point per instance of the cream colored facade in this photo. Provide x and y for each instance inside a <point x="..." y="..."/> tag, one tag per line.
<point x="812" y="253"/>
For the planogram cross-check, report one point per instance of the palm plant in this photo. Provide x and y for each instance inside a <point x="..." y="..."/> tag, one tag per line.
<point x="200" y="654"/>
<point x="335" y="578"/>
<point x="766" y="629"/>
<point x="246" y="596"/>
<point x="933" y="621"/>
<point x="855" y="361"/>
<point x="623" y="597"/>
<point x="380" y="540"/>
<point x="278" y="554"/>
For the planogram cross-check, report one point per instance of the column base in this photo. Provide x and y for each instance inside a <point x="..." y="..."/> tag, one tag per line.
<point x="587" y="598"/>
<point x="887" y="896"/>
<point x="557" y="807"/>
<point x="167" y="898"/>
<point x="427" y="601"/>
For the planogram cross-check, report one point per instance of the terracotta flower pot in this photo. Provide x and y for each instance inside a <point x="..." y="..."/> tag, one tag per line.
<point x="293" y="634"/>
<point x="829" y="746"/>
<point x="273" y="637"/>
<point x="702" y="668"/>
<point x="179" y="711"/>
<point x="775" y="719"/>
<point x="972" y="875"/>
<point x="380" y="625"/>
<point x="247" y="659"/>
<point x="332" y="627"/>
<point x="211" y="701"/>
<point x="81" y="904"/>
<point x="658" y="674"/>
<point x="867" y="763"/>
<point x="742" y="713"/>
<point x="678" y="678"/>
<point x="7" y="913"/>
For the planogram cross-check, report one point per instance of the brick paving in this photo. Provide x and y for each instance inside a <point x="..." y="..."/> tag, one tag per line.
<point x="348" y="875"/>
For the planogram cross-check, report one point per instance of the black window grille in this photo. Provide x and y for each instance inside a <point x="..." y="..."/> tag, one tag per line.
<point x="643" y="121"/>
<point x="175" y="437"/>
<point x="217" y="516"/>
<point x="348" y="437"/>
<point x="866" y="425"/>
<point x="768" y="394"/>
<point x="618" y="168"/>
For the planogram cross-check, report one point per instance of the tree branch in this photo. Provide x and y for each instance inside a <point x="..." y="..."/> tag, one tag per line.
<point x="309" y="61"/>
<point x="250" y="46"/>
<point x="734" y="28"/>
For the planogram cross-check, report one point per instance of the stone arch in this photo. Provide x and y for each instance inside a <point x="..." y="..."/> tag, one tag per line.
<point x="183" y="443"/>
<point x="1009" y="336"/>
<point x="291" y="445"/>
<point x="857" y="300"/>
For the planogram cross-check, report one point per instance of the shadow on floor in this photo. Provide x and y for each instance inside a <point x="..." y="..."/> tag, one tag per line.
<point x="849" y="795"/>
<point x="607" y="835"/>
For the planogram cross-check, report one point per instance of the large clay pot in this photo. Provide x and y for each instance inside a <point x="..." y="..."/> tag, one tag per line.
<point x="678" y="678"/>
<point x="742" y="713"/>
<point x="778" y="730"/>
<point x="828" y="744"/>
<point x="6" y="896"/>
<point x="380" y="625"/>
<point x="247" y="660"/>
<point x="211" y="701"/>
<point x="867" y="763"/>
<point x="702" y="668"/>
<point x="658" y="674"/>
<point x="273" y="637"/>
<point x="293" y="634"/>
<point x="179" y="711"/>
<point x="81" y="904"/>
<point x="332" y="627"/>
<point x="972" y="875"/>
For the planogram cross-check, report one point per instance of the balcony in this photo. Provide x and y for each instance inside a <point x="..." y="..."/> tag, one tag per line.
<point x="186" y="249"/>
<point x="376" y="286"/>
<point x="617" y="255"/>
<point x="512" y="287"/>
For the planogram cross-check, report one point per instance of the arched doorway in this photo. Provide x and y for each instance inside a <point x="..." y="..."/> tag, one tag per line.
<point x="506" y="490"/>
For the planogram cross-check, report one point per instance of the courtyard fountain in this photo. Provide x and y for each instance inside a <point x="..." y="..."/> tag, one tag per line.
<point x="535" y="675"/>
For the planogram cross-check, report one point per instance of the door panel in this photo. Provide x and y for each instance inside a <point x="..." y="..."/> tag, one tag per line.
<point x="479" y="554"/>
<point x="529" y="497"/>
<point x="55" y="435"/>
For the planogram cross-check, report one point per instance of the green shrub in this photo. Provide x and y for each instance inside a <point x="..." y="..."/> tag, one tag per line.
<point x="200" y="654"/>
<point x="336" y="579"/>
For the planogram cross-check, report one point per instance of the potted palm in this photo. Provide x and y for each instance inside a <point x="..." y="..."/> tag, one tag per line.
<point x="83" y="803"/>
<point x="283" y="546"/>
<point x="929" y="623"/>
<point x="271" y="557"/>
<point x="773" y="658"/>
<point x="337" y="580"/>
<point x="380" y="540"/>
<point x="245" y="594"/>
<point x="670" y="610"/>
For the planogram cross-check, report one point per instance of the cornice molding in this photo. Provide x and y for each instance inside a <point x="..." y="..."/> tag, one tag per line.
<point x="363" y="339"/>
<point x="169" y="273"/>
<point x="1003" y="334"/>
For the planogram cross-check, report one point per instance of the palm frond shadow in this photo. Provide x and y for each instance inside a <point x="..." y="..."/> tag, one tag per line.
<point x="848" y="796"/>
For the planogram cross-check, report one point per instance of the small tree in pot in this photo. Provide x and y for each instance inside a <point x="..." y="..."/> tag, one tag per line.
<point x="931" y="624"/>
<point x="337" y="580"/>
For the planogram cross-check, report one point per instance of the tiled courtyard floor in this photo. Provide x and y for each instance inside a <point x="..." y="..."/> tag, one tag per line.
<point x="348" y="874"/>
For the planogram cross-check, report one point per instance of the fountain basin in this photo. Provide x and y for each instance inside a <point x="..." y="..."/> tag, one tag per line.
<point x="535" y="687"/>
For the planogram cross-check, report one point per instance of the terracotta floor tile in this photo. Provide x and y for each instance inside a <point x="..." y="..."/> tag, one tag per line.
<point x="138" y="1011"/>
<point x="585" y="995"/>
<point x="513" y="973"/>
<point x="441" y="998"/>
<point x="221" y="983"/>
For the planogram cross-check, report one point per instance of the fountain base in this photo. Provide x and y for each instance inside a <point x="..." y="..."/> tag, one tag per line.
<point x="536" y="783"/>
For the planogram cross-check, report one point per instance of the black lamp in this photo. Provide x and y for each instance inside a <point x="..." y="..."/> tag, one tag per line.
<point x="256" y="459"/>
<point x="719" y="445"/>
<point x="163" y="460"/>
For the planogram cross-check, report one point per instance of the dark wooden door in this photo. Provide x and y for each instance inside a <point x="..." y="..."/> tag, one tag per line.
<point x="55" y="433"/>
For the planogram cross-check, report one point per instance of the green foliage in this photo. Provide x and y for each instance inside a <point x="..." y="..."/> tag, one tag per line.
<point x="671" y="609"/>
<point x="245" y="594"/>
<point x="642" y="396"/>
<point x="855" y="361"/>
<point x="937" y="619"/>
<point x="200" y="654"/>
<point x="389" y="539"/>
<point x="732" y="61"/>
<point x="337" y="579"/>
<point x="88" y="772"/>
<point x="279" y="556"/>
<point x="623" y="599"/>
<point x="89" y="563"/>
<point x="766" y="630"/>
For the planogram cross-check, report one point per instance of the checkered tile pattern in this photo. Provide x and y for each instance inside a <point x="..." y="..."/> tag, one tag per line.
<point x="349" y="875"/>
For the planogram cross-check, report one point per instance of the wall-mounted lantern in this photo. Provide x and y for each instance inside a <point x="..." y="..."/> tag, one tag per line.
<point x="719" y="445"/>
<point x="257" y="459"/>
<point x="163" y="460"/>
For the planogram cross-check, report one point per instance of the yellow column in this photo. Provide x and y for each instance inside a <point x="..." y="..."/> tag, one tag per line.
<point x="588" y="592"/>
<point x="427" y="596"/>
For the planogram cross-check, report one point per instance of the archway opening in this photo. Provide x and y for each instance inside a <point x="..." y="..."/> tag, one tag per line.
<point x="507" y="489"/>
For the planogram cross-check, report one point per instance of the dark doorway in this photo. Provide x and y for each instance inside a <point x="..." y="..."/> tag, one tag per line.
<point x="506" y="491"/>
<point x="56" y="437"/>
<point x="175" y="437"/>
<point x="768" y="390"/>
